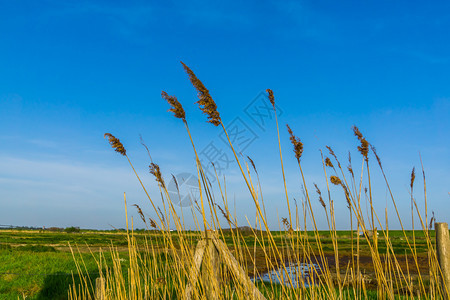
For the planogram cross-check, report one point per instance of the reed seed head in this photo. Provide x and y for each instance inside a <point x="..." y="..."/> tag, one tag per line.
<point x="271" y="97"/>
<point x="162" y="215"/>
<point x="205" y="102"/>
<point x="116" y="144"/>
<point x="285" y="222"/>
<point x="320" y="196"/>
<point x="141" y="214"/>
<point x="252" y="163"/>
<point x="431" y="221"/>
<point x="155" y="171"/>
<point x="298" y="145"/>
<point x="331" y="151"/>
<point x="335" y="180"/>
<point x="152" y="223"/>
<point x="334" y="155"/>
<point x="176" y="182"/>
<point x="225" y="214"/>
<point x="328" y="162"/>
<point x="413" y="177"/>
<point x="347" y="196"/>
<point x="374" y="150"/>
<point x="176" y="107"/>
<point x="364" y="147"/>
<point x="349" y="167"/>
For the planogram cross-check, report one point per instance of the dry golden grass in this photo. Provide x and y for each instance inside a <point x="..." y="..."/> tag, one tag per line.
<point x="155" y="275"/>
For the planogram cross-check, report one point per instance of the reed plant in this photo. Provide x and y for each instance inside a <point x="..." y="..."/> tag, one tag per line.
<point x="171" y="270"/>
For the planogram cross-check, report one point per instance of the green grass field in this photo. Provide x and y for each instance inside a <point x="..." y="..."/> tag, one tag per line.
<point x="40" y="265"/>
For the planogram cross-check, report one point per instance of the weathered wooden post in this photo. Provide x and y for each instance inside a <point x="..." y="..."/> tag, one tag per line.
<point x="99" y="288"/>
<point x="208" y="254"/>
<point x="211" y="266"/>
<point x="443" y="253"/>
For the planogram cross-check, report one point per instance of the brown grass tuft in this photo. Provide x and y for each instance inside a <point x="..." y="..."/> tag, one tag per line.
<point x="206" y="102"/>
<point x="116" y="144"/>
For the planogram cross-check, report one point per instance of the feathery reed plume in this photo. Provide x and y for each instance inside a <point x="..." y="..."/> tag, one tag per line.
<point x="335" y="180"/>
<point x="162" y="215"/>
<point x="145" y="146"/>
<point x="320" y="196"/>
<point x="347" y="196"/>
<point x="206" y="102"/>
<point x="155" y="171"/>
<point x="197" y="206"/>
<point x="225" y="214"/>
<point x="116" y="144"/>
<point x="298" y="145"/>
<point x="334" y="155"/>
<point x="141" y="214"/>
<point x="364" y="148"/>
<point x="176" y="182"/>
<point x="271" y="97"/>
<point x="252" y="163"/>
<point x="374" y="150"/>
<point x="176" y="107"/>
<point x="413" y="177"/>
<point x="285" y="222"/>
<point x="431" y="221"/>
<point x="328" y="162"/>
<point x="349" y="167"/>
<point x="152" y="223"/>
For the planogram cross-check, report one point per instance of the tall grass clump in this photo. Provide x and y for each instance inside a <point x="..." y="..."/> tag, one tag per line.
<point x="366" y="261"/>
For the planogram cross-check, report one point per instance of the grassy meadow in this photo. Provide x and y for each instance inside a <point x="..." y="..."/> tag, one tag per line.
<point x="39" y="265"/>
<point x="166" y="261"/>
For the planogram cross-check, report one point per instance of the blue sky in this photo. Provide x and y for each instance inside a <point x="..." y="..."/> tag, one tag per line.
<point x="73" y="70"/>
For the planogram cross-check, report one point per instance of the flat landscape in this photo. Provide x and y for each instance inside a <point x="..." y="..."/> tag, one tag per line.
<point x="39" y="264"/>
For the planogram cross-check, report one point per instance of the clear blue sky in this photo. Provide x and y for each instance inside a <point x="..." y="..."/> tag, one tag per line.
<point x="72" y="70"/>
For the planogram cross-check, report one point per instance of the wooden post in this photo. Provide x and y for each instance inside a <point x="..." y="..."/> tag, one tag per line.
<point x="211" y="266"/>
<point x="207" y="261"/>
<point x="240" y="275"/>
<point x="443" y="253"/>
<point x="99" y="288"/>
<point x="198" y="258"/>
